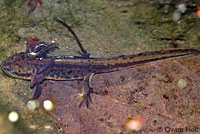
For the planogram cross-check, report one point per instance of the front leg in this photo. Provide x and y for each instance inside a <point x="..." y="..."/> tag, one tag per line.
<point x="86" y="90"/>
<point x="37" y="78"/>
<point x="38" y="91"/>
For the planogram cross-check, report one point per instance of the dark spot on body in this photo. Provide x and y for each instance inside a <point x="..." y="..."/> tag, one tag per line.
<point x="124" y="58"/>
<point x="52" y="75"/>
<point x="69" y="72"/>
<point x="63" y="74"/>
<point x="57" y="75"/>
<point x="76" y="76"/>
<point x="67" y="77"/>
<point x="140" y="54"/>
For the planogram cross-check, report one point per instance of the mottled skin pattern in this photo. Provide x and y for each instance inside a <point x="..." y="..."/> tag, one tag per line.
<point x="35" y="65"/>
<point x="31" y="67"/>
<point x="23" y="65"/>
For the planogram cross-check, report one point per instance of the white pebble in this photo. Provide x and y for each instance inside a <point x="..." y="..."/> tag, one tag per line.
<point x="176" y="16"/>
<point x="33" y="104"/>
<point x="182" y="83"/>
<point x="13" y="116"/>
<point x="182" y="8"/>
<point x="48" y="105"/>
<point x="135" y="124"/>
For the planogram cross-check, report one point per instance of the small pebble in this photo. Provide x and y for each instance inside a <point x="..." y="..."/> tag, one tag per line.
<point x="182" y="83"/>
<point x="176" y="16"/>
<point x="134" y="124"/>
<point x="48" y="105"/>
<point x="33" y="127"/>
<point x="198" y="13"/>
<point x="13" y="116"/>
<point x="182" y="8"/>
<point x="33" y="104"/>
<point x="22" y="31"/>
<point x="48" y="127"/>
